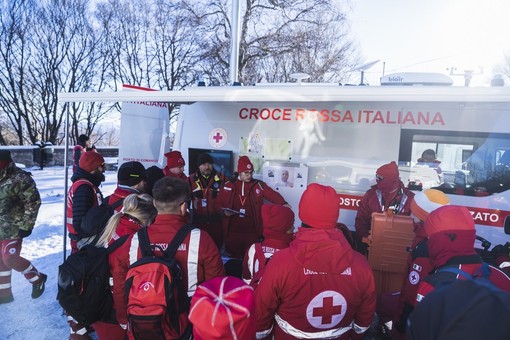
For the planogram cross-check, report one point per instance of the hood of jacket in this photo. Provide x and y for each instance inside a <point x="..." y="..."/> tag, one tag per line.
<point x="321" y="250"/>
<point x="448" y="244"/>
<point x="80" y="173"/>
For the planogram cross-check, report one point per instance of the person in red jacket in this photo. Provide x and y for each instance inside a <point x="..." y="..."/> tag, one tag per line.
<point x="319" y="287"/>
<point x="84" y="194"/>
<point x="138" y="211"/>
<point x="389" y="193"/>
<point x="205" y="185"/>
<point x="223" y="308"/>
<point x="419" y="263"/>
<point x="451" y="236"/>
<point x="82" y="146"/>
<point x="239" y="202"/>
<point x="131" y="179"/>
<point x="198" y="256"/>
<point x="278" y="224"/>
<point x="175" y="165"/>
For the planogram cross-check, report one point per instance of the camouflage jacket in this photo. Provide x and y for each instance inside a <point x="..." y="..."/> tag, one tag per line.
<point x="19" y="201"/>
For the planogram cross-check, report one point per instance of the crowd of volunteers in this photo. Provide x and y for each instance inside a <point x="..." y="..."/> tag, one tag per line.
<point x="311" y="281"/>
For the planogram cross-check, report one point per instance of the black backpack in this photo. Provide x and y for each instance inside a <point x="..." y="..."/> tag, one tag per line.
<point x="96" y="219"/>
<point x="84" y="284"/>
<point x="157" y="301"/>
<point x="473" y="308"/>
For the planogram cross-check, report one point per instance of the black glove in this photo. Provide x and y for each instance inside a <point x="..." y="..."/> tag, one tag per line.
<point x="500" y="250"/>
<point x="24" y="233"/>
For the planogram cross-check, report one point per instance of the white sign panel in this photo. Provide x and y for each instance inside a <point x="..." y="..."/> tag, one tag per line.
<point x="144" y="131"/>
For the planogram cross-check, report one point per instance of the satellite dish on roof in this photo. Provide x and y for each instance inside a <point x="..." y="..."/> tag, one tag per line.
<point x="363" y="68"/>
<point x="299" y="77"/>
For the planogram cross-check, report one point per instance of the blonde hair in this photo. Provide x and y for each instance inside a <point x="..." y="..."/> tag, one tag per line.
<point x="140" y="207"/>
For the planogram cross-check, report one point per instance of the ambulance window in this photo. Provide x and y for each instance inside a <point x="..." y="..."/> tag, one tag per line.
<point x="465" y="163"/>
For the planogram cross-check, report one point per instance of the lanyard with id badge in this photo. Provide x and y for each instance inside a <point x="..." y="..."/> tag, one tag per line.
<point x="242" y="211"/>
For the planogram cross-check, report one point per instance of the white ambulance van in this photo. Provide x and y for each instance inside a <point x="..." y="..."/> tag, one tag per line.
<point x="339" y="135"/>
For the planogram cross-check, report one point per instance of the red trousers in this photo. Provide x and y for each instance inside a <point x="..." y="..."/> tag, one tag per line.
<point x="10" y="259"/>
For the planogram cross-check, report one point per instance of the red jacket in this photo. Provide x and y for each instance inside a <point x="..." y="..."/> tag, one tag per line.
<point x="372" y="201"/>
<point x="319" y="287"/>
<point x="198" y="256"/>
<point x="249" y="196"/>
<point x="77" y="152"/>
<point x="469" y="264"/>
<point x="167" y="172"/>
<point x="454" y="248"/>
<point x="120" y="193"/>
<point x="204" y="192"/>
<point x="83" y="195"/>
<point x="119" y="264"/>
<point x="257" y="255"/>
<point x="419" y="267"/>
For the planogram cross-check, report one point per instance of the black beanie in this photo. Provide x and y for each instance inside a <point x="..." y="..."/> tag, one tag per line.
<point x="5" y="155"/>
<point x="82" y="139"/>
<point x="131" y="173"/>
<point x="204" y="158"/>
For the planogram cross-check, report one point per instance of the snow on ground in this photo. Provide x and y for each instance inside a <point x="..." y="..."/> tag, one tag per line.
<point x="43" y="318"/>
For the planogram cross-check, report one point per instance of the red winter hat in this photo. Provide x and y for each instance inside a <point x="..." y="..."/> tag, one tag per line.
<point x="319" y="206"/>
<point x="223" y="308"/>
<point x="449" y="217"/>
<point x="244" y="164"/>
<point x="389" y="171"/>
<point x="174" y="159"/>
<point x="277" y="218"/>
<point x="90" y="160"/>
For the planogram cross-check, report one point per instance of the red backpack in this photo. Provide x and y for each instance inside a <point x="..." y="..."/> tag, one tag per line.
<point x="157" y="301"/>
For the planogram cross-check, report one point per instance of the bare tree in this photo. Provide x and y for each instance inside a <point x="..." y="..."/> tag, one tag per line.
<point x="51" y="46"/>
<point x="126" y="25"/>
<point x="15" y="53"/>
<point x="150" y="43"/>
<point x="277" y="38"/>
<point x="67" y="59"/>
<point x="48" y="47"/>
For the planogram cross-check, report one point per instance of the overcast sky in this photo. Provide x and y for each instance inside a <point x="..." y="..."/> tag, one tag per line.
<point x="432" y="35"/>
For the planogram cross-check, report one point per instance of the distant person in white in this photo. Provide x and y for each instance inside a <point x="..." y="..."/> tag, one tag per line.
<point x="284" y="182"/>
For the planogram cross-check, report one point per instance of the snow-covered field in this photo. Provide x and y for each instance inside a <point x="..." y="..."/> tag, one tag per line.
<point x="43" y="319"/>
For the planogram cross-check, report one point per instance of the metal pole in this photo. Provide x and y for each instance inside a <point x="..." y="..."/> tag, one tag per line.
<point x="66" y="170"/>
<point x="234" y="43"/>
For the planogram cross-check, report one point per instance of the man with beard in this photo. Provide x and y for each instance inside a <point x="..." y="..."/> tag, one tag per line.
<point x="389" y="193"/>
<point x="84" y="193"/>
<point x="205" y="185"/>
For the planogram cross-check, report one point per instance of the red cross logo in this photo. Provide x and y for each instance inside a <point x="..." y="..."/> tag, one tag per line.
<point x="327" y="310"/>
<point x="218" y="137"/>
<point x="414" y="277"/>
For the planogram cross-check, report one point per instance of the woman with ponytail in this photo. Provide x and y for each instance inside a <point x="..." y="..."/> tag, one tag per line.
<point x="138" y="212"/>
